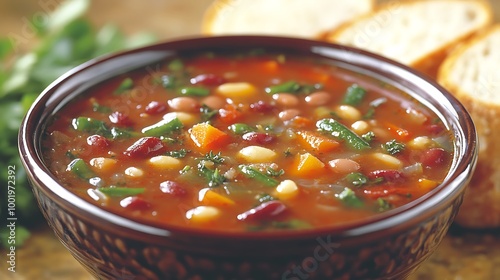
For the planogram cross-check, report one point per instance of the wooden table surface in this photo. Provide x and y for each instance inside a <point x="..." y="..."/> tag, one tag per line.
<point x="463" y="254"/>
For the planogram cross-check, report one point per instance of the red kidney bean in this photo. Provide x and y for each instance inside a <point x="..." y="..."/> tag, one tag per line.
<point x="208" y="80"/>
<point x="97" y="141"/>
<point x="172" y="188"/>
<point x="134" y="203"/>
<point x="435" y="129"/>
<point x="155" y="107"/>
<point x="145" y="147"/>
<point x="264" y="211"/>
<point x="389" y="176"/>
<point x="120" y="119"/>
<point x="258" y="138"/>
<point x="261" y="107"/>
<point x="184" y="104"/>
<point x="433" y="157"/>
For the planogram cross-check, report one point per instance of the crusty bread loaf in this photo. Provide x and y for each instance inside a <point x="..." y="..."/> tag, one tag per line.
<point x="418" y="33"/>
<point x="297" y="18"/>
<point x="471" y="73"/>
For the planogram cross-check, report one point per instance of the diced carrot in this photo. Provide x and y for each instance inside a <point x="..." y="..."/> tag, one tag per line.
<point x="399" y="133"/>
<point x="270" y="66"/>
<point x="211" y="198"/>
<point x="230" y="114"/>
<point x="206" y="137"/>
<point x="301" y="122"/>
<point x="427" y="184"/>
<point x="316" y="142"/>
<point x="307" y="165"/>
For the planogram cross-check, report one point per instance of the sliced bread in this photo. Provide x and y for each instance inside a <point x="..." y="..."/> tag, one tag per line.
<point x="418" y="33"/>
<point x="297" y="18"/>
<point x="471" y="74"/>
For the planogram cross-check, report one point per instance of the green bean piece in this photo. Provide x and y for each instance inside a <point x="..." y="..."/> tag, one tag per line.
<point x="253" y="173"/>
<point x="163" y="127"/>
<point x="354" y="95"/>
<point x="241" y="128"/>
<point x="90" y="125"/>
<point x="338" y="130"/>
<point x="286" y="87"/>
<point x="125" y="85"/>
<point x="81" y="169"/>
<point x="121" y="191"/>
<point x="194" y="91"/>
<point x="349" y="198"/>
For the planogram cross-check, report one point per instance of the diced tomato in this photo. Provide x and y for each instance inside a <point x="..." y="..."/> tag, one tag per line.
<point x="145" y="147"/>
<point x="120" y="119"/>
<point x="433" y="157"/>
<point x="134" y="203"/>
<point x="258" y="138"/>
<point x="264" y="211"/>
<point x="208" y="80"/>
<point x="173" y="188"/>
<point x="230" y="114"/>
<point x="155" y="107"/>
<point x="261" y="107"/>
<point x="98" y="141"/>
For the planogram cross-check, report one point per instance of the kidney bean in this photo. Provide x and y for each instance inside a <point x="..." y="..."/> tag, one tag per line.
<point x="145" y="147"/>
<point x="286" y="99"/>
<point x="389" y="175"/>
<point x="120" y="119"/>
<point x="435" y="129"/>
<point x="258" y="138"/>
<point x="208" y="80"/>
<point x="261" y="107"/>
<point x="134" y="203"/>
<point x="184" y="104"/>
<point x="433" y="157"/>
<point x="97" y="141"/>
<point x="288" y="114"/>
<point x="264" y="211"/>
<point x="173" y="188"/>
<point x="344" y="165"/>
<point x="155" y="107"/>
<point x="318" y="98"/>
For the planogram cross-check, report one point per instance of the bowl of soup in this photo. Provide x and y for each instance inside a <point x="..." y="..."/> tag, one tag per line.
<point x="248" y="157"/>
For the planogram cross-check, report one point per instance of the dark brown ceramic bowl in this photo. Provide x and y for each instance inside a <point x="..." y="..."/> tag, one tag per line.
<point x="389" y="246"/>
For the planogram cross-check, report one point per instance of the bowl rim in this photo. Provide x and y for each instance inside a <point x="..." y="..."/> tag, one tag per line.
<point x="465" y="156"/>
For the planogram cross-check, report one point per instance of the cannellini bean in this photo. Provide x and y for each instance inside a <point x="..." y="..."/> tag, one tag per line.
<point x="420" y="143"/>
<point x="286" y="99"/>
<point x="186" y="119"/>
<point x="202" y="214"/>
<point x="214" y="102"/>
<point x="102" y="163"/>
<point x="344" y="165"/>
<point x="322" y="112"/>
<point x="165" y="162"/>
<point x="348" y="112"/>
<point x="236" y="90"/>
<point x="360" y="127"/>
<point x="317" y="98"/>
<point x="416" y="116"/>
<point x="183" y="104"/>
<point x="388" y="160"/>
<point x="287" y="189"/>
<point x="257" y="154"/>
<point x="134" y="172"/>
<point x="288" y="114"/>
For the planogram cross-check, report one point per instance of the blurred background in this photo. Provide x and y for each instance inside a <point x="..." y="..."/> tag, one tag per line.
<point x="463" y="255"/>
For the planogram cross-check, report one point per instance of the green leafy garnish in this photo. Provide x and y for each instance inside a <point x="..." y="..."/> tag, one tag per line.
<point x="215" y="158"/>
<point x="349" y="198"/>
<point x="394" y="147"/>
<point x="207" y="113"/>
<point x="126" y="85"/>
<point x="357" y="179"/>
<point x="178" y="154"/>
<point x="354" y="95"/>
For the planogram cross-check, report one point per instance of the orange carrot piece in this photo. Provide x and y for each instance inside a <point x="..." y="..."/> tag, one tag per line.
<point x="316" y="142"/>
<point x="211" y="198"/>
<point x="307" y="165"/>
<point x="206" y="137"/>
<point x="399" y="133"/>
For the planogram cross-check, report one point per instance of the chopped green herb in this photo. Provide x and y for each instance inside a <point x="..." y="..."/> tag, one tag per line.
<point x="214" y="177"/>
<point x="274" y="173"/>
<point x="383" y="205"/>
<point x="121" y="191"/>
<point x="288" y="152"/>
<point x="120" y="133"/>
<point x="90" y="125"/>
<point x="369" y="136"/>
<point x="207" y="113"/>
<point x="253" y="173"/>
<point x="125" y="85"/>
<point x="354" y="95"/>
<point x="357" y="179"/>
<point x="178" y="154"/>
<point x="338" y="130"/>
<point x="96" y="107"/>
<point x="349" y="198"/>
<point x="185" y="169"/>
<point x="394" y="147"/>
<point x="215" y="158"/>
<point x="168" y="81"/>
